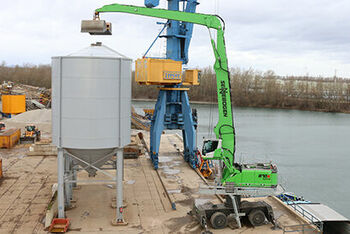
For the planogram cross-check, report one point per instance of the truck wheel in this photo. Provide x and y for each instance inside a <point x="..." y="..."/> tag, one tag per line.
<point x="243" y="203"/>
<point x="218" y="220"/>
<point x="257" y="217"/>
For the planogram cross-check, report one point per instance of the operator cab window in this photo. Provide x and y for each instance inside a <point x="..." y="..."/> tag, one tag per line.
<point x="209" y="146"/>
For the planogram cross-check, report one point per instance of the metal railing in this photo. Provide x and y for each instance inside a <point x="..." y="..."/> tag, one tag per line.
<point x="301" y="228"/>
<point x="304" y="213"/>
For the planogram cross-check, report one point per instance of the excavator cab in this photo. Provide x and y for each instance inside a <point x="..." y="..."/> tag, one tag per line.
<point x="30" y="129"/>
<point x="209" y="146"/>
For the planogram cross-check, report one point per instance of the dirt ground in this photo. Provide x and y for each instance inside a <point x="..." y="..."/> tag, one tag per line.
<point x="26" y="190"/>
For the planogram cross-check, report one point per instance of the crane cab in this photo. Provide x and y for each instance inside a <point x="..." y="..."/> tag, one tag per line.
<point x="209" y="146"/>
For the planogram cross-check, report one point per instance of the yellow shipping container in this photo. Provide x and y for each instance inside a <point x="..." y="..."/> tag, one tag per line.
<point x="9" y="138"/>
<point x="13" y="104"/>
<point x="149" y="71"/>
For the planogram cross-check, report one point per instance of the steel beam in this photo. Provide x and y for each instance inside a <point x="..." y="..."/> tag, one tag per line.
<point x="60" y="189"/>
<point x="119" y="200"/>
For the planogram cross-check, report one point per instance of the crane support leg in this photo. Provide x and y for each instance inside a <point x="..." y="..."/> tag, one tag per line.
<point x="157" y="127"/>
<point x="173" y="111"/>
<point x="188" y="132"/>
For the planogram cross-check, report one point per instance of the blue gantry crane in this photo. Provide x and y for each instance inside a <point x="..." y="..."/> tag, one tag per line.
<point x="172" y="110"/>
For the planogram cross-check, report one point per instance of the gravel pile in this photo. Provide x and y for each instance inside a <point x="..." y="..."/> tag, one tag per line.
<point x="40" y="118"/>
<point x="33" y="116"/>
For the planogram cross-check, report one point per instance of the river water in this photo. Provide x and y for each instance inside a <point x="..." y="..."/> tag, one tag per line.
<point x="311" y="149"/>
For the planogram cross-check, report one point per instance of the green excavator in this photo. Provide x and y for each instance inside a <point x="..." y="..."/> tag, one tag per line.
<point x="222" y="148"/>
<point x="236" y="179"/>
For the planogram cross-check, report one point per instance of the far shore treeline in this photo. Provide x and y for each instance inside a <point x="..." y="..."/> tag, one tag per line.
<point x="249" y="88"/>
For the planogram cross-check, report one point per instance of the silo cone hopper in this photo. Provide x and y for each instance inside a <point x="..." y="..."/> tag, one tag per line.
<point x="96" y="27"/>
<point x="95" y="157"/>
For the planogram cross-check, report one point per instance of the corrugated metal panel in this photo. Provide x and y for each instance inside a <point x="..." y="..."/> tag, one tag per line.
<point x="323" y="212"/>
<point x="91" y="99"/>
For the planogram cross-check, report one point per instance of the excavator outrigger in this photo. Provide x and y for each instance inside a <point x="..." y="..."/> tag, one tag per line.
<point x="235" y="178"/>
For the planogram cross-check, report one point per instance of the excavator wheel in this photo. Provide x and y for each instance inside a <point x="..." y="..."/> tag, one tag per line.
<point x="257" y="217"/>
<point x="218" y="220"/>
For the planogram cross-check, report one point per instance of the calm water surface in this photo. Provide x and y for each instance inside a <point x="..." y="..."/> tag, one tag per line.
<point x="311" y="149"/>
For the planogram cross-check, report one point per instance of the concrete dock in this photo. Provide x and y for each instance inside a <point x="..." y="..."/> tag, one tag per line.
<point x="26" y="191"/>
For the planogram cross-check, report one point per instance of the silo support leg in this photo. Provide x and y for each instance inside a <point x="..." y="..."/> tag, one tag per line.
<point x="119" y="182"/>
<point x="60" y="189"/>
<point x="74" y="184"/>
<point x="68" y="187"/>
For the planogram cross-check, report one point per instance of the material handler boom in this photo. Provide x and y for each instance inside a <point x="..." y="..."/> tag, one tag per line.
<point x="253" y="175"/>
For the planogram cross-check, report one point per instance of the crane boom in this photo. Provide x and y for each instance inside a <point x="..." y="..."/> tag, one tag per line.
<point x="209" y="21"/>
<point x="224" y="129"/>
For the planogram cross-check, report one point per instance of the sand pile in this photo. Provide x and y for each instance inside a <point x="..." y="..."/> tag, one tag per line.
<point x="34" y="116"/>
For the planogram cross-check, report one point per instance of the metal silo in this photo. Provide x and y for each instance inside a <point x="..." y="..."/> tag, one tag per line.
<point x="91" y="108"/>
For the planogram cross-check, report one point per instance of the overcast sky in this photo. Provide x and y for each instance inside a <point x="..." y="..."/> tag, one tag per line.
<point x="295" y="37"/>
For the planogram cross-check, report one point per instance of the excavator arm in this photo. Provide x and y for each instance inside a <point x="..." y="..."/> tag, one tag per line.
<point x="209" y="21"/>
<point x="224" y="129"/>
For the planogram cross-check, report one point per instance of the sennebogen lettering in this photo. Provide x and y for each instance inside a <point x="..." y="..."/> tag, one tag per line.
<point x="223" y="91"/>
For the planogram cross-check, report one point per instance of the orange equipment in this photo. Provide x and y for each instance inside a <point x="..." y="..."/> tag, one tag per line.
<point x="191" y="77"/>
<point x="204" y="166"/>
<point x="30" y="135"/>
<point x="13" y="104"/>
<point x="150" y="71"/>
<point x="59" y="225"/>
<point x="9" y="138"/>
<point x="45" y="97"/>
